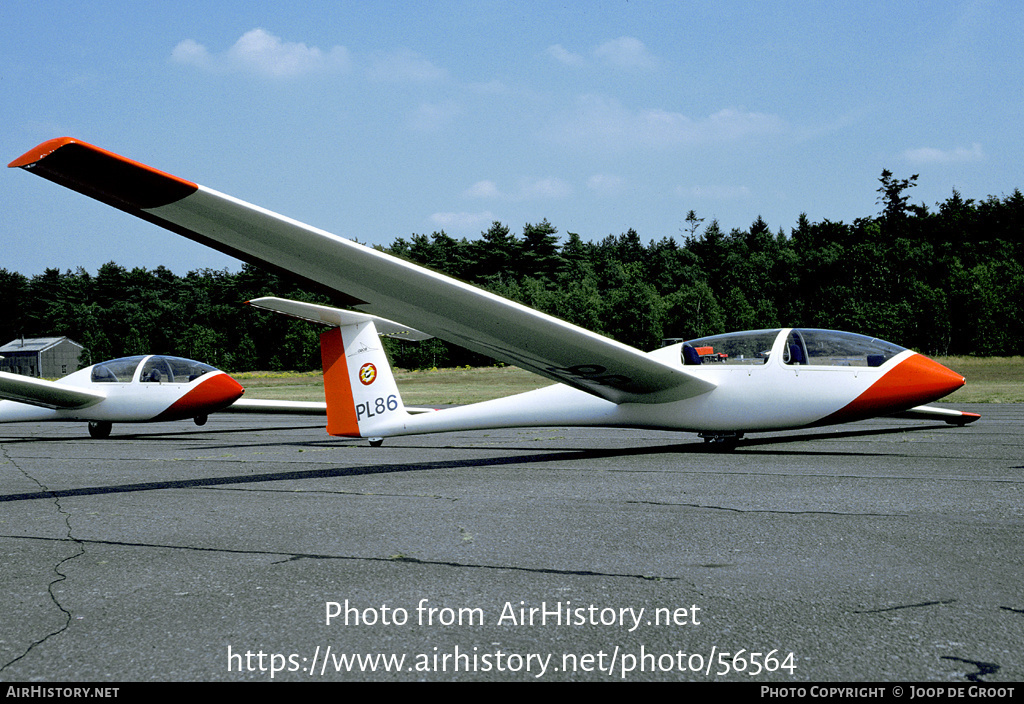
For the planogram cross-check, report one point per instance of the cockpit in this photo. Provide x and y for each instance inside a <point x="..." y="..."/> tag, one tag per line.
<point x="803" y="346"/>
<point x="155" y="368"/>
<point x="748" y="347"/>
<point x="831" y="348"/>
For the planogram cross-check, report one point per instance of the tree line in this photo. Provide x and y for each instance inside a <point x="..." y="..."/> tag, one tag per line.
<point x="947" y="279"/>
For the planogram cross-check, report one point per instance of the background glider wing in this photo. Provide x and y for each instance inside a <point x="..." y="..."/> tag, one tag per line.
<point x="257" y="405"/>
<point x="48" y="394"/>
<point x="373" y="282"/>
<point x="298" y="408"/>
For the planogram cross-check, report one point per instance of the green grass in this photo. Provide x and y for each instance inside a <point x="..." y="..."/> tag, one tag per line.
<point x="282" y="386"/>
<point x="438" y="387"/>
<point x="989" y="380"/>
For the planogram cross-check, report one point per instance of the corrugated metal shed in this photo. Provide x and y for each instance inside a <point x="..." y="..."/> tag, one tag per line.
<point x="50" y="357"/>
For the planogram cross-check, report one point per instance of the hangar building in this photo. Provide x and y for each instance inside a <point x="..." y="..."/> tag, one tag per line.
<point x="49" y="357"/>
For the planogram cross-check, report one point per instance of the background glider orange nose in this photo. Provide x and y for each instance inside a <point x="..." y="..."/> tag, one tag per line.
<point x="213" y="393"/>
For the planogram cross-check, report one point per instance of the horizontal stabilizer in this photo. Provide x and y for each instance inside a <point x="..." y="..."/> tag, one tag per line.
<point x="47" y="394"/>
<point x="315" y="313"/>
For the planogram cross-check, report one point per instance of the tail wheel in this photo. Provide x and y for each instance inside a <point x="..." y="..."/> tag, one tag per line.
<point x="100" y="429"/>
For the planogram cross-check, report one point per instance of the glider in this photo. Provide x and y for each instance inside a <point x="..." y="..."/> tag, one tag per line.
<point x="138" y="389"/>
<point x="720" y="387"/>
<point x="152" y="388"/>
<point x="135" y="389"/>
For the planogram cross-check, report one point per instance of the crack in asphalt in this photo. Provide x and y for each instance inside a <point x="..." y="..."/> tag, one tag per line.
<point x="60" y="576"/>
<point x="293" y="556"/>
<point x="763" y="510"/>
<point x="984" y="668"/>
<point x="905" y="606"/>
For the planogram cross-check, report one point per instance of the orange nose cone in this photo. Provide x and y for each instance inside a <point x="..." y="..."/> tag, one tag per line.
<point x="919" y="380"/>
<point x="915" y="381"/>
<point x="211" y="393"/>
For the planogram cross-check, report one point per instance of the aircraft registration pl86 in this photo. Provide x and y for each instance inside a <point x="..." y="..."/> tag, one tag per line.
<point x="760" y="380"/>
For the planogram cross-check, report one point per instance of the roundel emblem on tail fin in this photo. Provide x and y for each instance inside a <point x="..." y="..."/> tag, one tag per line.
<point x="367" y="374"/>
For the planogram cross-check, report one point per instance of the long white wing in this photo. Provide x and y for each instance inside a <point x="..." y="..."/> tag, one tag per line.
<point x="47" y="394"/>
<point x="371" y="281"/>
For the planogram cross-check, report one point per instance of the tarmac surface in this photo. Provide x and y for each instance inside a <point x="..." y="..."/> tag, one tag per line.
<point x="259" y="549"/>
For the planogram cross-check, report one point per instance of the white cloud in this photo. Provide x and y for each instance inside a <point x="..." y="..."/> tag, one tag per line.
<point x="405" y="65"/>
<point x="429" y="117"/>
<point x="191" y="52"/>
<point x="625" y="52"/>
<point x="538" y="189"/>
<point x="461" y="222"/>
<point x="544" y="188"/>
<point x="930" y="155"/>
<point x="564" y="56"/>
<point x="259" y="52"/>
<point x="604" y="122"/>
<point x="713" y="192"/>
<point x="606" y="184"/>
<point x="483" y="189"/>
<point x="731" y="124"/>
<point x="492" y="87"/>
<point x="622" y="53"/>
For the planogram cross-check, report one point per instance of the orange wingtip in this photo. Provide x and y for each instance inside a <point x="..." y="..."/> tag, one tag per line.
<point x="34" y="156"/>
<point x="43" y="150"/>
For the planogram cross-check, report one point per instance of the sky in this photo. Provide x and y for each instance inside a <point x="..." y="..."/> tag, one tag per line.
<point x="379" y="120"/>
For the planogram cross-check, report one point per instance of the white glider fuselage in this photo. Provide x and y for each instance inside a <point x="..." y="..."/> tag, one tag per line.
<point x="750" y="395"/>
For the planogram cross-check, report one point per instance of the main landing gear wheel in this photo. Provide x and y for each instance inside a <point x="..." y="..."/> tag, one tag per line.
<point x="376" y="442"/>
<point x="722" y="442"/>
<point x="100" y="429"/>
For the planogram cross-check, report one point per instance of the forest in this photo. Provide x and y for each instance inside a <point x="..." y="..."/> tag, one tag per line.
<point x="945" y="280"/>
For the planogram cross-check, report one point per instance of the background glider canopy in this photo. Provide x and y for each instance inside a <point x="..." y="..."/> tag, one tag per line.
<point x="374" y="282"/>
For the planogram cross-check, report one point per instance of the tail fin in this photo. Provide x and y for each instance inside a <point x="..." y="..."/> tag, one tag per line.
<point x="362" y="396"/>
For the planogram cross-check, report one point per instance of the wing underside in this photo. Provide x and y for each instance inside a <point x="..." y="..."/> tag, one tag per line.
<point x="369" y="280"/>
